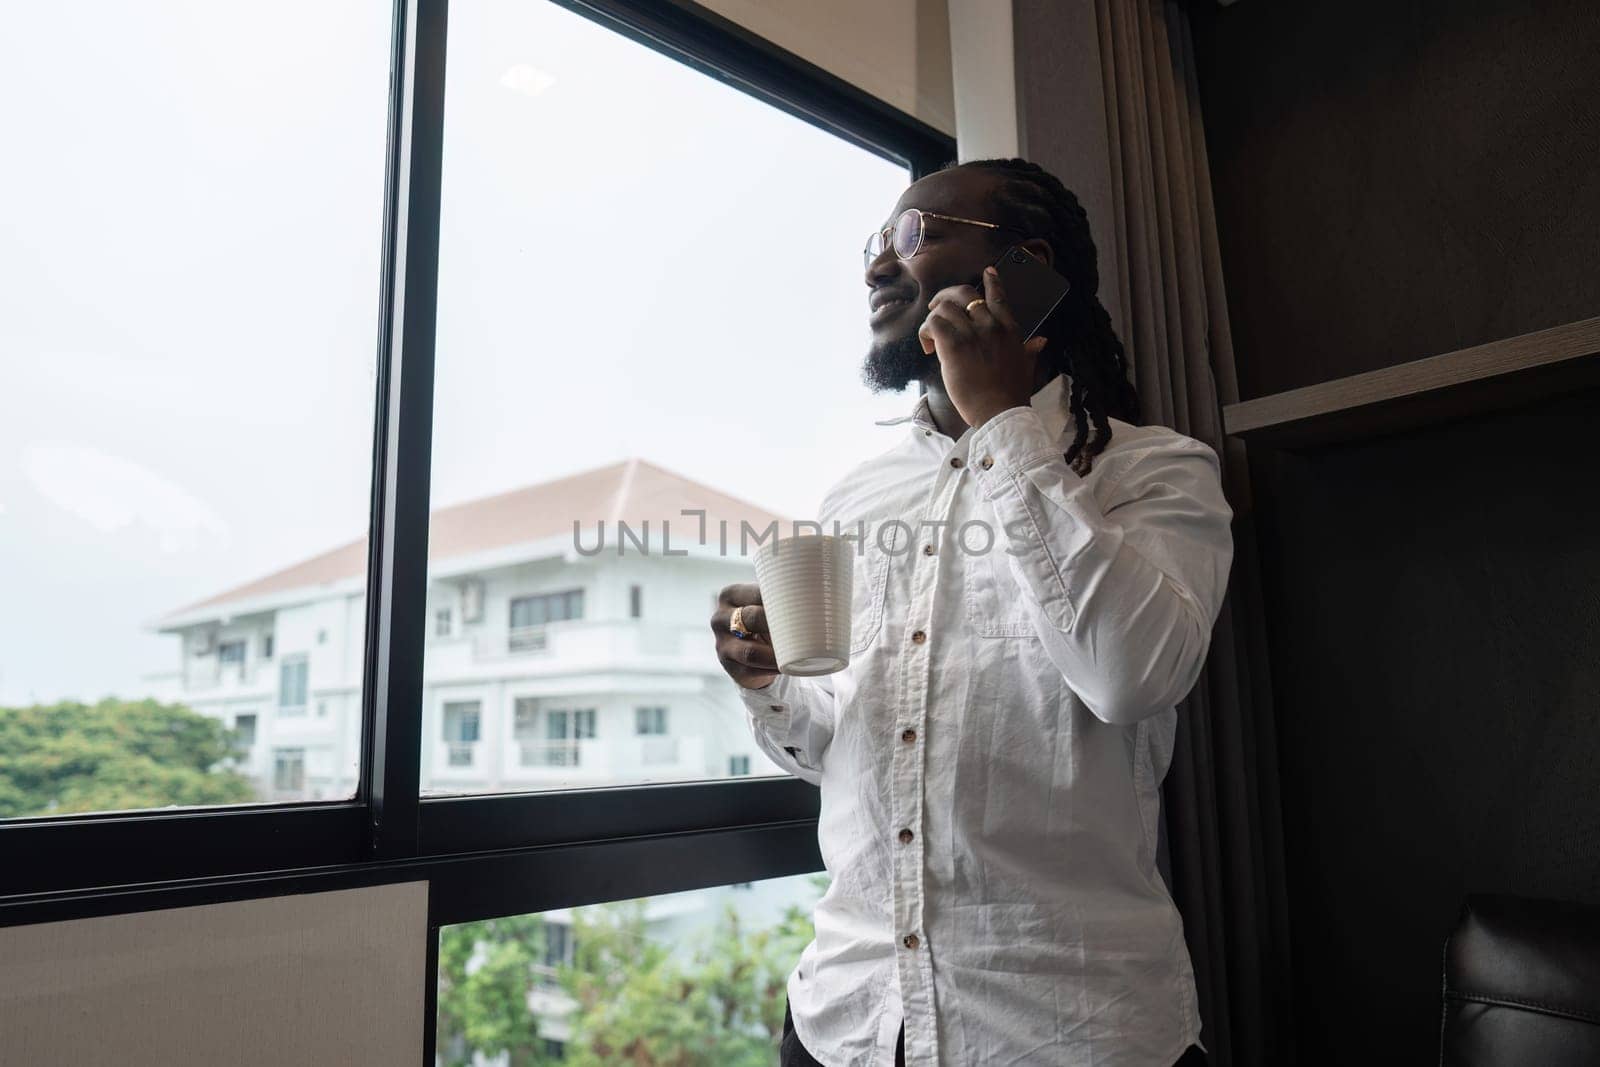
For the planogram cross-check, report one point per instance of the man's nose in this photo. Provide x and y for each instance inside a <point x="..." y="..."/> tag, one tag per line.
<point x="884" y="265"/>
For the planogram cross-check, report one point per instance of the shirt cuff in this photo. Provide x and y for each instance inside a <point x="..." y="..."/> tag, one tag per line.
<point x="1009" y="443"/>
<point x="772" y="706"/>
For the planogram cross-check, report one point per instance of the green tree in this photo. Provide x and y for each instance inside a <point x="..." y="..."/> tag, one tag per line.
<point x="485" y="973"/>
<point x="117" y="755"/>
<point x="716" y="1001"/>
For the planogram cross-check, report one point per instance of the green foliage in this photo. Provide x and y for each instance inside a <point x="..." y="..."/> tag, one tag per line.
<point x="485" y="1001"/>
<point x="717" y="1001"/>
<point x="116" y="755"/>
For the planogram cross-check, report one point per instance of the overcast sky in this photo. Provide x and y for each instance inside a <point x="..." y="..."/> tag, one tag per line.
<point x="635" y="260"/>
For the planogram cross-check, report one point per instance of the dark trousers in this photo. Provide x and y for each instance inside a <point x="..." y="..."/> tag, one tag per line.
<point x="791" y="1053"/>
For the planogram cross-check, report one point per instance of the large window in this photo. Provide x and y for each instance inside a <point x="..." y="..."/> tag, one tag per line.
<point x="614" y="312"/>
<point x="230" y="240"/>
<point x="192" y="239"/>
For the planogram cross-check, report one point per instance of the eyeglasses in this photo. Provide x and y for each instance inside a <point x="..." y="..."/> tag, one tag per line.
<point x="906" y="234"/>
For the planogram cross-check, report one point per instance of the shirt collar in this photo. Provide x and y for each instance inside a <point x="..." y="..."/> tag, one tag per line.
<point x="1046" y="402"/>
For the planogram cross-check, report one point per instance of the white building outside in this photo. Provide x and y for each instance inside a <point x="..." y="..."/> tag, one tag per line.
<point x="548" y="665"/>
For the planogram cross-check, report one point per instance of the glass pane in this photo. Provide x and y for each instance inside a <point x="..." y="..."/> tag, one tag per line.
<point x="611" y="347"/>
<point x="542" y="988"/>
<point x="192" y="236"/>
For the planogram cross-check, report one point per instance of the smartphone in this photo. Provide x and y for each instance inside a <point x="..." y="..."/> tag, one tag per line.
<point x="1033" y="287"/>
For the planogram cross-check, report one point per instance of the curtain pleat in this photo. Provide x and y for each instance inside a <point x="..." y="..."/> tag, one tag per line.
<point x="1221" y="795"/>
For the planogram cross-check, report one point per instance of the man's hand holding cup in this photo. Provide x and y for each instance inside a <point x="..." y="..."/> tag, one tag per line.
<point x="749" y="660"/>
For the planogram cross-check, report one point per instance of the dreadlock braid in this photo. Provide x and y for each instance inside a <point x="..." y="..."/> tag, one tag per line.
<point x="1083" y="344"/>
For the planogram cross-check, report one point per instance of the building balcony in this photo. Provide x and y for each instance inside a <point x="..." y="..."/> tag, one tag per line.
<point x="570" y="646"/>
<point x="569" y="764"/>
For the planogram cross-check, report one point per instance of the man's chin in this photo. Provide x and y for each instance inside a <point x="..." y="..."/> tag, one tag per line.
<point x="890" y="366"/>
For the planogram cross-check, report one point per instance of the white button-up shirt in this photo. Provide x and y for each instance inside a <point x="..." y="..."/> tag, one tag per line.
<point x="990" y="761"/>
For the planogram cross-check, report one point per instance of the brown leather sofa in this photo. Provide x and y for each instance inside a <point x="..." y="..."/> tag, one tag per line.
<point x="1522" y="984"/>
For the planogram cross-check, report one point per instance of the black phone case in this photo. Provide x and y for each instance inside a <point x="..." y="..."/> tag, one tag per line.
<point x="1033" y="287"/>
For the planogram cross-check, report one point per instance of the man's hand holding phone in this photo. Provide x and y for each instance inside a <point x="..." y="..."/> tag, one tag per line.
<point x="986" y="366"/>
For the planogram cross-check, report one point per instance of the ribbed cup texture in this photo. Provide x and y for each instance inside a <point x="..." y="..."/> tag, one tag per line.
<point x="805" y="588"/>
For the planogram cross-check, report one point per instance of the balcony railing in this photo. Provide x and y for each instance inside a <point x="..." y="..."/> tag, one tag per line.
<point x="557" y="645"/>
<point x="527" y="639"/>
<point x="459" y="753"/>
<point x="548" y="753"/>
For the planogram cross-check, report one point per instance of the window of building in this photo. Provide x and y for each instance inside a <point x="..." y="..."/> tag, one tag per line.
<point x="556" y="743"/>
<point x="651" y="720"/>
<point x="546" y="607"/>
<point x="230" y="660"/>
<point x="289" y="770"/>
<point x="244" y="733"/>
<point x="462" y="722"/>
<point x="292" y="676"/>
<point x="525" y="718"/>
<point x="738" y="765"/>
<point x="635" y="601"/>
<point x="266" y="646"/>
<point x="442" y="622"/>
<point x="559" y="946"/>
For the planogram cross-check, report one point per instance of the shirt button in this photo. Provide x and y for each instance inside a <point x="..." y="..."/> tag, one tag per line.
<point x="927" y="433"/>
<point x="927" y="550"/>
<point x="908" y="736"/>
<point x="955" y="461"/>
<point x="986" y="463"/>
<point x="911" y="941"/>
<point x="919" y="637"/>
<point x="905" y="837"/>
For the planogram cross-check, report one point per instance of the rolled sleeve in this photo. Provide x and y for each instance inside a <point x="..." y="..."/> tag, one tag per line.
<point x="1124" y="578"/>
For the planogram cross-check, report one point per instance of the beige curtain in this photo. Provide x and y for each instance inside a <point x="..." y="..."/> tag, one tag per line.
<point x="1108" y="99"/>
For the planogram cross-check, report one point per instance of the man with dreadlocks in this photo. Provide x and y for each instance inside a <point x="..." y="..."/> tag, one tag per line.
<point x="1036" y="587"/>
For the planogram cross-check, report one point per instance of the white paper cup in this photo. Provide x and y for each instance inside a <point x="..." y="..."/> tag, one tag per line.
<point x="805" y="588"/>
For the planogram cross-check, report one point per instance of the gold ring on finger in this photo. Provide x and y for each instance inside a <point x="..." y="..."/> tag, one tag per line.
<point x="974" y="304"/>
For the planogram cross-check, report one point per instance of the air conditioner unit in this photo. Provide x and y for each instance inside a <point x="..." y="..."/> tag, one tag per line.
<point x="205" y="642"/>
<point x="472" y="600"/>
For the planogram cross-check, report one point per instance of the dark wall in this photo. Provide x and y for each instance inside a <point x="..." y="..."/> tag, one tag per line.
<point x="1434" y="602"/>
<point x="1394" y="180"/>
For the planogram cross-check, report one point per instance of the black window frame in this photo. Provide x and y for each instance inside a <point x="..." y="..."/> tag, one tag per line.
<point x="491" y="855"/>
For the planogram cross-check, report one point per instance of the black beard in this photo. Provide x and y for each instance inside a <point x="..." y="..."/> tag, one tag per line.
<point x="895" y="364"/>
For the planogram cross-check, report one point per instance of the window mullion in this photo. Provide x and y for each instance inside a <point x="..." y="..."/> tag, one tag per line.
<point x="398" y="565"/>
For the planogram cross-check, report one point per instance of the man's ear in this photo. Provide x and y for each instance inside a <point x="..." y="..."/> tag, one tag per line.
<point x="1040" y="248"/>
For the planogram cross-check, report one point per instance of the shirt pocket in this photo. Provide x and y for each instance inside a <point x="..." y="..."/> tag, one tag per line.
<point x="995" y="602"/>
<point x="869" y="580"/>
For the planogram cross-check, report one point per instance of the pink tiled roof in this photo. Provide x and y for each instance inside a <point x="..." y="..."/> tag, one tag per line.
<point x="630" y="491"/>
